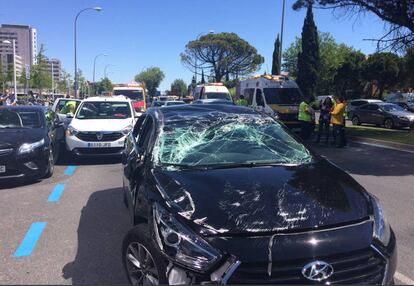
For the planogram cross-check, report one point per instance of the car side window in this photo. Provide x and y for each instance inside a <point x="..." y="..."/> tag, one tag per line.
<point x="145" y="134"/>
<point x="138" y="126"/>
<point x="358" y="103"/>
<point x="248" y="95"/>
<point x="259" y="98"/>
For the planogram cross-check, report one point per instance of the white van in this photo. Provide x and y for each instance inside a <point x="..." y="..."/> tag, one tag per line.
<point x="212" y="91"/>
<point x="275" y="95"/>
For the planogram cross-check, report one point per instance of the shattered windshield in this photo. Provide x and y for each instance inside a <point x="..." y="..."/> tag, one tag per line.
<point x="235" y="139"/>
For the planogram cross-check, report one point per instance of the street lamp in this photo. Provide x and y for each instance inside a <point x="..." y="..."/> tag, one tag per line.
<point x="97" y="9"/>
<point x="14" y="64"/>
<point x="281" y="36"/>
<point x="94" y="64"/>
<point x="105" y="70"/>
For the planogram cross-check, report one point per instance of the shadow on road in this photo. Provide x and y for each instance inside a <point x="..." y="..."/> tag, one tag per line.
<point x="12" y="184"/>
<point x="104" y="222"/>
<point x="366" y="160"/>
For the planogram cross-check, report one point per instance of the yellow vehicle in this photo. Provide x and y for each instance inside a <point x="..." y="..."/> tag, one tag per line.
<point x="275" y="95"/>
<point x="135" y="91"/>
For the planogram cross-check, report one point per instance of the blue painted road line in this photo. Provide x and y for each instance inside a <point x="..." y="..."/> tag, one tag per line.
<point x="70" y="170"/>
<point x="57" y="192"/>
<point x="29" y="242"/>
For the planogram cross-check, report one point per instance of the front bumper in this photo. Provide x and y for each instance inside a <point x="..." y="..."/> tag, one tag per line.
<point x="22" y="167"/>
<point x="95" y="148"/>
<point x="404" y="123"/>
<point x="356" y="259"/>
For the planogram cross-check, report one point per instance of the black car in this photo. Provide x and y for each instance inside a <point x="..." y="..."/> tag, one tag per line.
<point x="30" y="139"/>
<point x="384" y="114"/>
<point x="222" y="194"/>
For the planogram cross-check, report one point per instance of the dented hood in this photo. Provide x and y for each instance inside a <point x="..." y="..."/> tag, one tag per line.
<point x="264" y="199"/>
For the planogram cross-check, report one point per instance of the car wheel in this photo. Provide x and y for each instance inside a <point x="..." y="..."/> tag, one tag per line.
<point x="50" y="163"/>
<point x="356" y="121"/>
<point x="143" y="263"/>
<point x="388" y="123"/>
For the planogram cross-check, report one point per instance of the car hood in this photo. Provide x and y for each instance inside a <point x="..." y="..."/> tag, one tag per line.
<point x="100" y="124"/>
<point x="264" y="199"/>
<point x="13" y="138"/>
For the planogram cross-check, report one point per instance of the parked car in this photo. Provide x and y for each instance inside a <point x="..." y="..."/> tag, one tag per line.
<point x="383" y="114"/>
<point x="213" y="101"/>
<point x="100" y="126"/>
<point x="354" y="104"/>
<point x="30" y="138"/>
<point x="59" y="108"/>
<point x="222" y="194"/>
<point x="406" y="105"/>
<point x="160" y="103"/>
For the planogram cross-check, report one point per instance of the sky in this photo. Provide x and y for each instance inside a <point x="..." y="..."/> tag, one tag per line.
<point x="137" y="34"/>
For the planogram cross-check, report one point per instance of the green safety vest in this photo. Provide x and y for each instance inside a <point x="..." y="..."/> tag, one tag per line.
<point x="303" y="115"/>
<point x="242" y="102"/>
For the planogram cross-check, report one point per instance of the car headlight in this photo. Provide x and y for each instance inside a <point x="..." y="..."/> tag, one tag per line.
<point x="403" y="118"/>
<point x="181" y="244"/>
<point x="126" y="130"/>
<point x="30" y="147"/>
<point x="382" y="230"/>
<point x="71" y="131"/>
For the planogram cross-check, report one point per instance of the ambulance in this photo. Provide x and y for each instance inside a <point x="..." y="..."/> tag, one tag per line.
<point x="275" y="95"/>
<point x="135" y="91"/>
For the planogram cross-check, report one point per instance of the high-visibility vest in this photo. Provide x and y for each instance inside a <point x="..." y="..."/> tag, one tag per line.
<point x="303" y="114"/>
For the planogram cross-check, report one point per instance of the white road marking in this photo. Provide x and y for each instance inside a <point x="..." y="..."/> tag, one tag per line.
<point x="402" y="278"/>
<point x="384" y="146"/>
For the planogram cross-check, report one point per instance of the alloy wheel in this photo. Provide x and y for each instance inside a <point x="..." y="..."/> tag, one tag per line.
<point x="388" y="124"/>
<point x="140" y="265"/>
<point x="355" y="121"/>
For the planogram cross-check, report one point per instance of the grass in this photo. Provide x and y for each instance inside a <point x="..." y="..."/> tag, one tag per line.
<point x="396" y="136"/>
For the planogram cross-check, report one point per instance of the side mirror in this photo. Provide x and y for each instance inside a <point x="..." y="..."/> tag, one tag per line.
<point x="58" y="124"/>
<point x="69" y="115"/>
<point x="124" y="158"/>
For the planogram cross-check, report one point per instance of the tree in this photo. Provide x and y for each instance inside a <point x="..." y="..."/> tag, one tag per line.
<point x="308" y="59"/>
<point x="105" y="85"/>
<point x="348" y="78"/>
<point x="276" y="57"/>
<point x="222" y="54"/>
<point x="65" y="83"/>
<point x="179" y="87"/>
<point x="382" y="69"/>
<point x="39" y="76"/>
<point x="397" y="13"/>
<point x="290" y="57"/>
<point x="152" y="77"/>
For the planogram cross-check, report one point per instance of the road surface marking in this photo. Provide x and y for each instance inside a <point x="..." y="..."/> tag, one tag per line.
<point x="29" y="241"/>
<point x="384" y="146"/>
<point x="70" y="170"/>
<point x="57" y="192"/>
<point x="403" y="278"/>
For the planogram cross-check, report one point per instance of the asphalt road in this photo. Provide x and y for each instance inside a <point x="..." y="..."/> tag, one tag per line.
<point x="79" y="232"/>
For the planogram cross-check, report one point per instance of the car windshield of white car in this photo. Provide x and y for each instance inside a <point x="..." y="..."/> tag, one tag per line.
<point x="19" y="119"/>
<point x="218" y="95"/>
<point x="104" y="110"/>
<point x="225" y="140"/>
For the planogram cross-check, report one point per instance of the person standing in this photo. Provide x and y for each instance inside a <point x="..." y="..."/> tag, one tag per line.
<point x="305" y="118"/>
<point x="337" y="120"/>
<point x="8" y="98"/>
<point x="325" y="120"/>
<point x="241" y="101"/>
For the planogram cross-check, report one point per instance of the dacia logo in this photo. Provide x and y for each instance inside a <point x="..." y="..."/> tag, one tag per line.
<point x="99" y="136"/>
<point x="317" y="271"/>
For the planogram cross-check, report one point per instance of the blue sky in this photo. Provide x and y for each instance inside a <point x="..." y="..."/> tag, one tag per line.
<point x="141" y="33"/>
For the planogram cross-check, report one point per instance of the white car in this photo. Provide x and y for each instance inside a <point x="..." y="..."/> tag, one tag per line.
<point x="100" y="126"/>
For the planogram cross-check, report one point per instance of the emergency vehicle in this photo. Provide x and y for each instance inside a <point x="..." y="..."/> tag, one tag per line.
<point x="215" y="90"/>
<point x="135" y="91"/>
<point x="275" y="95"/>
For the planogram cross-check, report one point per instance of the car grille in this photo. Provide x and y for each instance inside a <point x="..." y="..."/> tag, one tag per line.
<point x="5" y="152"/>
<point x="93" y="136"/>
<point x="359" y="267"/>
<point x="98" y="151"/>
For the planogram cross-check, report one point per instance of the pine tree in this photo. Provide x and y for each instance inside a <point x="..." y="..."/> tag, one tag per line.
<point x="276" y="57"/>
<point x="309" y="59"/>
<point x="203" y="80"/>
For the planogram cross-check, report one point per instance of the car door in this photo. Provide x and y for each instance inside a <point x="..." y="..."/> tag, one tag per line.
<point x="55" y="131"/>
<point x="372" y="114"/>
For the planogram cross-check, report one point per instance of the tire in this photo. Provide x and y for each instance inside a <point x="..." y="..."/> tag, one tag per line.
<point x="138" y="240"/>
<point x="388" y="123"/>
<point x="356" y="121"/>
<point x="125" y="200"/>
<point x="50" y="163"/>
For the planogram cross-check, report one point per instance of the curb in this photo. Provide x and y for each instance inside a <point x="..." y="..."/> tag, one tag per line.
<point x="400" y="146"/>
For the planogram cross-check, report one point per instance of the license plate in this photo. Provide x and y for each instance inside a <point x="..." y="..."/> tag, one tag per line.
<point x="2" y="169"/>
<point x="99" y="145"/>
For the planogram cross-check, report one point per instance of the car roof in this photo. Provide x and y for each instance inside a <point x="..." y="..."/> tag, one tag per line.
<point x="177" y="112"/>
<point x="118" y="98"/>
<point x="26" y="108"/>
